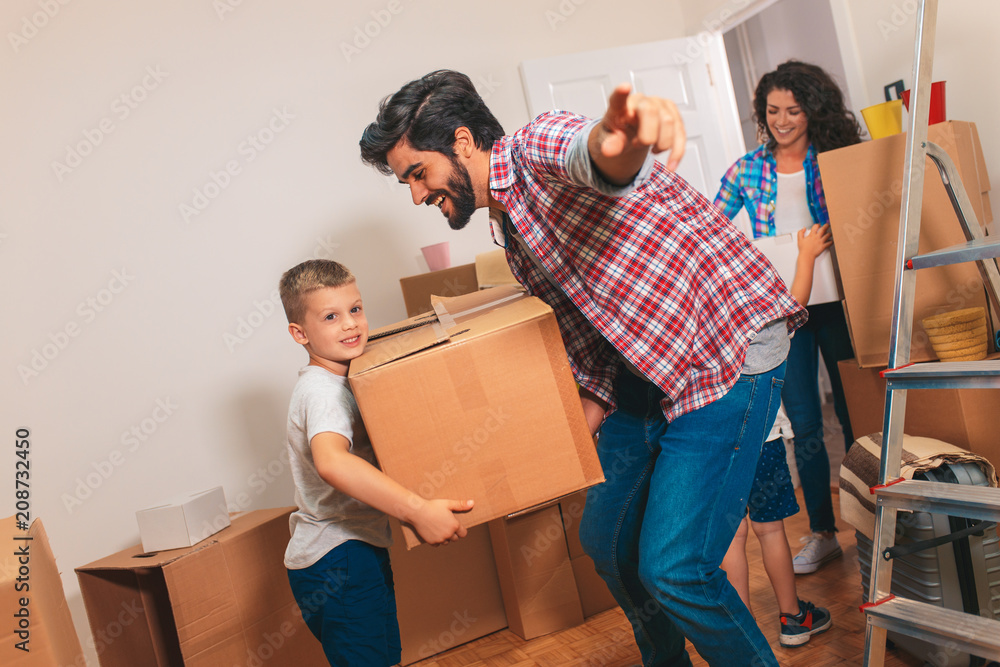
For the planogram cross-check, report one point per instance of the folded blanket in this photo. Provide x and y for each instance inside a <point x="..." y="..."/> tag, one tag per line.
<point x="859" y="472"/>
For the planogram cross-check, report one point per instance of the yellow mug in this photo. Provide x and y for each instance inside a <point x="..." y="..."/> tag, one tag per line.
<point x="885" y="119"/>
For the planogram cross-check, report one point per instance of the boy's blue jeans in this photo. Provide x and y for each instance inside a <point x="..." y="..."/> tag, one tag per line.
<point x="348" y="601"/>
<point x="658" y="528"/>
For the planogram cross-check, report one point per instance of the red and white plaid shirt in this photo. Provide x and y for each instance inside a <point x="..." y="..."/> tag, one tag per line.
<point x="659" y="273"/>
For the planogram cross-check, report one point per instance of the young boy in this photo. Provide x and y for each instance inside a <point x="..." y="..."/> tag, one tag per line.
<point x="772" y="498"/>
<point x="337" y="558"/>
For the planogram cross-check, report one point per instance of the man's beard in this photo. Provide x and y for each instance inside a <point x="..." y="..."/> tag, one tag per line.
<point x="461" y="194"/>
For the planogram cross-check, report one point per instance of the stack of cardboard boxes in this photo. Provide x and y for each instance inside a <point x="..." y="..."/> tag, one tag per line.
<point x="476" y="401"/>
<point x="863" y="185"/>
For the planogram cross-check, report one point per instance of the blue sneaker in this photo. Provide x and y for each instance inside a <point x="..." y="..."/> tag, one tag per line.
<point x="797" y="629"/>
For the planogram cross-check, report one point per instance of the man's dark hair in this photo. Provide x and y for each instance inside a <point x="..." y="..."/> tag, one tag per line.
<point x="831" y="125"/>
<point x="426" y="112"/>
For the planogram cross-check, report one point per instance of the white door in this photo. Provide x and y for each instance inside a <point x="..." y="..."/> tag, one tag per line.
<point x="693" y="72"/>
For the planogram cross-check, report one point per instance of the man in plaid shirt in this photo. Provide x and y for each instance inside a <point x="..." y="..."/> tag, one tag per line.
<point x="675" y="326"/>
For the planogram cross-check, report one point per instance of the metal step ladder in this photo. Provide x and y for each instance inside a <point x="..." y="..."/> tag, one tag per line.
<point x="967" y="633"/>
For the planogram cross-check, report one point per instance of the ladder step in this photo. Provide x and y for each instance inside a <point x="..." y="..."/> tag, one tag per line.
<point x="973" y="502"/>
<point x="945" y="375"/>
<point x="967" y="633"/>
<point x="984" y="248"/>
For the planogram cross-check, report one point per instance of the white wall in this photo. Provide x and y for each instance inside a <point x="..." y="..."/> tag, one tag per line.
<point x="156" y="334"/>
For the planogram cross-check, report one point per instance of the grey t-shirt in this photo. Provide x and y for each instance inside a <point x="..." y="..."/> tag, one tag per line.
<point x="323" y="402"/>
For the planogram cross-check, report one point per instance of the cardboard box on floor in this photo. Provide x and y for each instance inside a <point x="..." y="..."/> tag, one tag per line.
<point x="536" y="576"/>
<point x="477" y="403"/>
<point x="594" y="594"/>
<point x="454" y="281"/>
<point x="966" y="418"/>
<point x="225" y="601"/>
<point x="863" y="185"/>
<point x="38" y="628"/>
<point x="447" y="596"/>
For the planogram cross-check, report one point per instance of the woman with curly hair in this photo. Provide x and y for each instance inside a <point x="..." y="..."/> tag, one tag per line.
<point x="800" y="111"/>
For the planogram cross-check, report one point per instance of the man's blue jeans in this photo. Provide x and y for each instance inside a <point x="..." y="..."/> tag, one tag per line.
<point x="826" y="332"/>
<point x="658" y="528"/>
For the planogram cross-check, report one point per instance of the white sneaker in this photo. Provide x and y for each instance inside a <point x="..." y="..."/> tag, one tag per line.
<point x="817" y="550"/>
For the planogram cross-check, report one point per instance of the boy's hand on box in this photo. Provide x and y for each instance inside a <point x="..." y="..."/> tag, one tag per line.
<point x="436" y="522"/>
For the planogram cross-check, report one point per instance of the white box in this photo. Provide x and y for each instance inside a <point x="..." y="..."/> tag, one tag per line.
<point x="183" y="523"/>
<point x="783" y="251"/>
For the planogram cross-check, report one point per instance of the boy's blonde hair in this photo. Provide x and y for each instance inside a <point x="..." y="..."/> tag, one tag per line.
<point x="306" y="277"/>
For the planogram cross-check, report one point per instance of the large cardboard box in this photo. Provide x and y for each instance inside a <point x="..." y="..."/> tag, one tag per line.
<point x="225" y="601"/>
<point x="37" y="628"/>
<point x="183" y="523"/>
<point x="539" y="588"/>
<point x="966" y="418"/>
<point x="454" y="281"/>
<point x="594" y="594"/>
<point x="863" y="185"/>
<point x="477" y="402"/>
<point x="446" y="596"/>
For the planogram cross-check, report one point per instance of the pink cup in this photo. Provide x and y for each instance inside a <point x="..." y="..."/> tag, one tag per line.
<point x="438" y="256"/>
<point x="937" y="108"/>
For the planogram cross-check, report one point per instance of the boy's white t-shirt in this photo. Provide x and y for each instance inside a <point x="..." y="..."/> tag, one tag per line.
<point x="323" y="402"/>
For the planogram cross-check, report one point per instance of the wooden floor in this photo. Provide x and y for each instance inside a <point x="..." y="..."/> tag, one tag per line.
<point x="606" y="639"/>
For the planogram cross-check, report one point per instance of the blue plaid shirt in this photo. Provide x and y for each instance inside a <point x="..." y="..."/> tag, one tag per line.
<point x="752" y="183"/>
